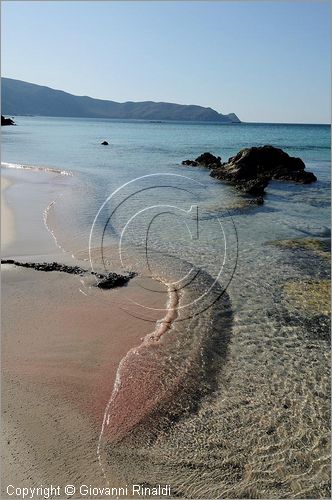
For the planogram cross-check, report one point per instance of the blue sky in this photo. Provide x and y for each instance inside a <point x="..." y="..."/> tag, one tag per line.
<point x="267" y="61"/>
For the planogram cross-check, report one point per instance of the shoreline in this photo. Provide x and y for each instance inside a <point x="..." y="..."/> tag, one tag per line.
<point x="28" y="197"/>
<point x="64" y="346"/>
<point x="35" y="168"/>
<point x="87" y="380"/>
<point x="7" y="216"/>
<point x="77" y="357"/>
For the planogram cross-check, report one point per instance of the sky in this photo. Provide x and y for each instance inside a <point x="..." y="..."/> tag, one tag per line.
<point x="267" y="61"/>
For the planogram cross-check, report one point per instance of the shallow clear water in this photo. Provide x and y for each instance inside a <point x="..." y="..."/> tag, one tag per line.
<point x="252" y="417"/>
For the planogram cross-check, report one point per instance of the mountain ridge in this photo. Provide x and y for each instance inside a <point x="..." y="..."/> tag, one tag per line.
<point x="24" y="98"/>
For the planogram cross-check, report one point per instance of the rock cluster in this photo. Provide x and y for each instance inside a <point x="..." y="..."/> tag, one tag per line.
<point x="251" y="169"/>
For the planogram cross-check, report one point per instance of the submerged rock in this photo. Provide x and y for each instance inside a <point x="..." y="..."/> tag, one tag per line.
<point x="311" y="297"/>
<point x="320" y="247"/>
<point x="255" y="187"/>
<point x="256" y="201"/>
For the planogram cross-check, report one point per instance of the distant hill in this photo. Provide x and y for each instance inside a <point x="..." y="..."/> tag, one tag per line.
<point x="23" y="98"/>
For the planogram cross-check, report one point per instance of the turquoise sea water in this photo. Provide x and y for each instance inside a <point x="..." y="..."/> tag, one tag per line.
<point x="254" y="365"/>
<point x="74" y="143"/>
<point x="144" y="148"/>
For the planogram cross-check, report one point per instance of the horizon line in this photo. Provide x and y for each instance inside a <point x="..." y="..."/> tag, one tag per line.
<point x="159" y="102"/>
<point x="192" y="122"/>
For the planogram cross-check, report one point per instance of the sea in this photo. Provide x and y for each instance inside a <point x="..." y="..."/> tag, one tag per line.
<point x="241" y="380"/>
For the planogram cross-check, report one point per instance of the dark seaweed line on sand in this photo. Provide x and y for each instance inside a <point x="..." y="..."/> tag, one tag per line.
<point x="105" y="281"/>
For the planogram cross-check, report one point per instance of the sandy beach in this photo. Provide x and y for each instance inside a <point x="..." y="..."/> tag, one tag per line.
<point x="60" y="353"/>
<point x="7" y="219"/>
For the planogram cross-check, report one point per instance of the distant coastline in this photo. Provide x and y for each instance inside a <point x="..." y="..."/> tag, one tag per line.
<point x="24" y="98"/>
<point x="175" y="122"/>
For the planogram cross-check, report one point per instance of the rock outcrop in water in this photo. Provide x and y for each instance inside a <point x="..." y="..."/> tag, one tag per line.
<point x="104" y="143"/>
<point x="112" y="280"/>
<point x="6" y="121"/>
<point x="204" y="160"/>
<point x="251" y="169"/>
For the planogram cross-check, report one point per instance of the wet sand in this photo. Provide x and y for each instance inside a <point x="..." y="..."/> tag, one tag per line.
<point x="60" y="352"/>
<point x="7" y="219"/>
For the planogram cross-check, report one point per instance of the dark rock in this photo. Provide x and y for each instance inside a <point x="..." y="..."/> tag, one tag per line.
<point x="6" y="121"/>
<point x="255" y="187"/>
<point x="204" y="160"/>
<point x="112" y="280"/>
<point x="191" y="163"/>
<point x="260" y="200"/>
<point x="256" y="201"/>
<point x="46" y="266"/>
<point x="301" y="177"/>
<point x="208" y="160"/>
<point x="106" y="281"/>
<point x="252" y="168"/>
<point x="104" y="143"/>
